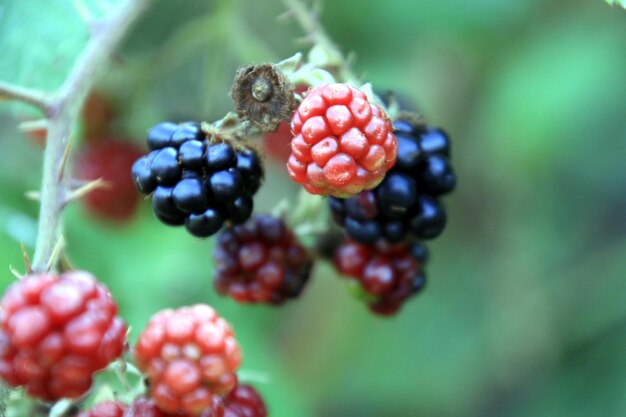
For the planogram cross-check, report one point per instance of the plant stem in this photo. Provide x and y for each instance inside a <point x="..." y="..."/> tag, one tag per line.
<point x="62" y="109"/>
<point x="309" y="21"/>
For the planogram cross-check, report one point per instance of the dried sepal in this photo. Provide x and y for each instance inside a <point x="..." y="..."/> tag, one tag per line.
<point x="263" y="95"/>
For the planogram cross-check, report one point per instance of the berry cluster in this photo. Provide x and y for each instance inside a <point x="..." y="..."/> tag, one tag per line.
<point x="199" y="182"/>
<point x="261" y="261"/>
<point x="189" y="355"/>
<point x="388" y="273"/>
<point x="407" y="200"/>
<point x="58" y="331"/>
<point x="343" y="144"/>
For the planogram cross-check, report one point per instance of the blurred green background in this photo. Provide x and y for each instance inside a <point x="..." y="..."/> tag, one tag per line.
<point x="525" y="313"/>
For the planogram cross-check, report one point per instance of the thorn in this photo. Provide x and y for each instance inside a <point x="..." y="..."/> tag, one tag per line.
<point x="85" y="189"/>
<point x="27" y="263"/>
<point x="66" y="264"/>
<point x="33" y="125"/>
<point x="33" y="195"/>
<point x="16" y="273"/>
<point x="56" y="252"/>
<point x="64" y="160"/>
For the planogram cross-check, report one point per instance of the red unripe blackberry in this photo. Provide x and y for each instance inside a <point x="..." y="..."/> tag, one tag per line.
<point x="342" y="143"/>
<point x="110" y="160"/>
<point x="260" y="261"/>
<point x="56" y="332"/>
<point x="190" y="355"/>
<point x="105" y="409"/>
<point x="244" y="401"/>
<point x="388" y="273"/>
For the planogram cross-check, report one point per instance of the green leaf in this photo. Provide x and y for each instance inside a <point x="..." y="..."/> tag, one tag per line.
<point x="39" y="42"/>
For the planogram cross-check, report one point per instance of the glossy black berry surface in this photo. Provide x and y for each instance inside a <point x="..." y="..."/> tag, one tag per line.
<point x="406" y="204"/>
<point x="196" y="181"/>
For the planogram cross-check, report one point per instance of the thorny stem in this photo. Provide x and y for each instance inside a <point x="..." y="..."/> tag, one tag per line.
<point x="309" y="21"/>
<point x="63" y="109"/>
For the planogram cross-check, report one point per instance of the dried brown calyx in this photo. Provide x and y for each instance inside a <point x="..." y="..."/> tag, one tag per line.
<point x="263" y="95"/>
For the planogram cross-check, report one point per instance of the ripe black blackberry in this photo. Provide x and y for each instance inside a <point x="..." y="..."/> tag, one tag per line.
<point x="388" y="274"/>
<point x="260" y="261"/>
<point x="407" y="200"/>
<point x="197" y="181"/>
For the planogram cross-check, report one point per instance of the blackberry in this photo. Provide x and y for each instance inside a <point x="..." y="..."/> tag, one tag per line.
<point x="261" y="261"/>
<point x="57" y="331"/>
<point x="406" y="203"/>
<point x="388" y="274"/>
<point x="189" y="356"/>
<point x="199" y="182"/>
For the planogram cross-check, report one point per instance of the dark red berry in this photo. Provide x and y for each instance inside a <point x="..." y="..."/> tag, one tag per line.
<point x="388" y="273"/>
<point x="98" y="113"/>
<point x="244" y="401"/>
<point x="111" y="161"/>
<point x="57" y="331"/>
<point x="261" y="261"/>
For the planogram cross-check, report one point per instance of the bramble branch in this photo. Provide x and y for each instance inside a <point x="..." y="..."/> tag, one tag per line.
<point x="63" y="110"/>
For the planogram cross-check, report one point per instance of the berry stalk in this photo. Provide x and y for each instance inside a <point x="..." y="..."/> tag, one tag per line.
<point x="309" y="21"/>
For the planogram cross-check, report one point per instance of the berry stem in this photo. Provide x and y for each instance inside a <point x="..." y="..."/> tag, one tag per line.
<point x="62" y="109"/>
<point x="309" y="21"/>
